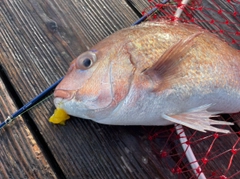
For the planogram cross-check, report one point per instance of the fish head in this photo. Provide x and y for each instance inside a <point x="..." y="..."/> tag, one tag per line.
<point x="96" y="81"/>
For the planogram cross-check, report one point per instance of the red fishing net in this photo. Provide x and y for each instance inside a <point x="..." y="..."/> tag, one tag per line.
<point x="219" y="16"/>
<point x="216" y="155"/>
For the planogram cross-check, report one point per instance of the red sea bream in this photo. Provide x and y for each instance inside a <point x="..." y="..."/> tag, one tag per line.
<point x="156" y="73"/>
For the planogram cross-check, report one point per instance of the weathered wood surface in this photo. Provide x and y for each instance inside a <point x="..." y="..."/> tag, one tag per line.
<point x="34" y="54"/>
<point x="34" y="57"/>
<point x="20" y="155"/>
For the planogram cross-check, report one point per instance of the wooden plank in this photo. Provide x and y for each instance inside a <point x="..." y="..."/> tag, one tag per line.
<point x="20" y="155"/>
<point x="34" y="57"/>
<point x="141" y="6"/>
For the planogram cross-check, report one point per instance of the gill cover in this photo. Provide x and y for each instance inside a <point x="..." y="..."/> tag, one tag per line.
<point x="109" y="83"/>
<point x="95" y="83"/>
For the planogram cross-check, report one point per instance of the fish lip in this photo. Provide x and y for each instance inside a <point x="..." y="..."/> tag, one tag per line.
<point x="64" y="94"/>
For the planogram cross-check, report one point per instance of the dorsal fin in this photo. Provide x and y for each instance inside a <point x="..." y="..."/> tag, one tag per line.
<point x="166" y="66"/>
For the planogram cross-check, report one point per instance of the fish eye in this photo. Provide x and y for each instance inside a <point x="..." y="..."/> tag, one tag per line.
<point x="86" y="60"/>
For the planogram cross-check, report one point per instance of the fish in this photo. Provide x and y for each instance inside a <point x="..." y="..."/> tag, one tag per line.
<point x="154" y="74"/>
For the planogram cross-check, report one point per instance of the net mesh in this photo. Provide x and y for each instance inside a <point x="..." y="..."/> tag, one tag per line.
<point x="221" y="17"/>
<point x="217" y="154"/>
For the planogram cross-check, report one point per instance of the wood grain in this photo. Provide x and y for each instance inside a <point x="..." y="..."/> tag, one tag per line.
<point x="20" y="155"/>
<point x="38" y="41"/>
<point x="35" y="57"/>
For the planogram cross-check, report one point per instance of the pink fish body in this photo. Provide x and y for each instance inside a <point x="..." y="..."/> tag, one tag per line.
<point x="156" y="73"/>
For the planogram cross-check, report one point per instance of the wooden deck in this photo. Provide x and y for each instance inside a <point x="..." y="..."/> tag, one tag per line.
<point x="38" y="40"/>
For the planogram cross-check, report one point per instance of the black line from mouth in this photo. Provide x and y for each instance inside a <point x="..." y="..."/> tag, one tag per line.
<point x="133" y="7"/>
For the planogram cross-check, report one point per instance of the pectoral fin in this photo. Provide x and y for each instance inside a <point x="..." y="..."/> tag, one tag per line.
<point x="167" y="66"/>
<point x="198" y="119"/>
